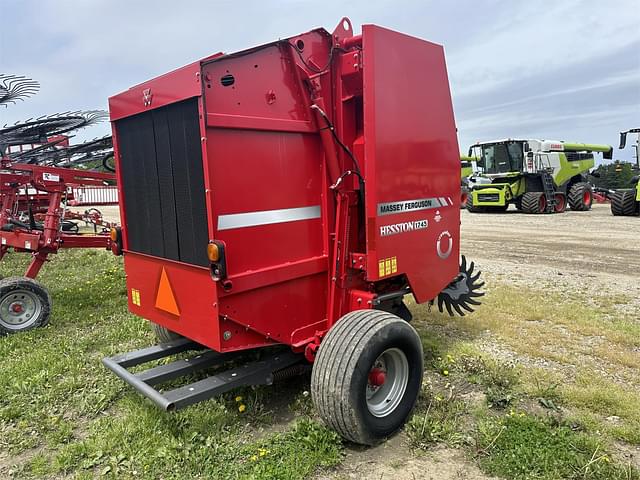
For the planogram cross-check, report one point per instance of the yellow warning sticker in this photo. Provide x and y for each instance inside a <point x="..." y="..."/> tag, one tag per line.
<point x="387" y="266"/>
<point x="135" y="296"/>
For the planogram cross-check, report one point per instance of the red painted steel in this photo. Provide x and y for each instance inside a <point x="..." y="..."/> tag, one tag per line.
<point x="303" y="243"/>
<point x="51" y="184"/>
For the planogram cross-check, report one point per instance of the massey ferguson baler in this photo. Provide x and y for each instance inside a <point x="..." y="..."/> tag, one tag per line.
<point x="286" y="199"/>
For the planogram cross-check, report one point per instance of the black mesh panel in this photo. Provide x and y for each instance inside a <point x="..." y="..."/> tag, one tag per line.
<point x="163" y="182"/>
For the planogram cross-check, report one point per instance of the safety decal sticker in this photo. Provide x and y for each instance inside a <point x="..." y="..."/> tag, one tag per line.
<point x="387" y="266"/>
<point x="413" y="205"/>
<point x="135" y="296"/>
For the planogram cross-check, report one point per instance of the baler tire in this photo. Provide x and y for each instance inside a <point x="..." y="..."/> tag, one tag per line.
<point x="531" y="202"/>
<point x="24" y="305"/>
<point x="361" y="344"/>
<point x="577" y="197"/>
<point x="163" y="334"/>
<point x="623" y="203"/>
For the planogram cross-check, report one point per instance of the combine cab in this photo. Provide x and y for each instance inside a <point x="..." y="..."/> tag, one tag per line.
<point x="538" y="176"/>
<point x="282" y="201"/>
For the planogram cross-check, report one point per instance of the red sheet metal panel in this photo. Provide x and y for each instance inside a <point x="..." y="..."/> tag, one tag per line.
<point x="411" y="162"/>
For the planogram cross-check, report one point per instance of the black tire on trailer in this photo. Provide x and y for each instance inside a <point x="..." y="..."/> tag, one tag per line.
<point x="532" y="202"/>
<point x="580" y="197"/>
<point x="623" y="203"/>
<point x="163" y="334"/>
<point x="367" y="375"/>
<point x="24" y="304"/>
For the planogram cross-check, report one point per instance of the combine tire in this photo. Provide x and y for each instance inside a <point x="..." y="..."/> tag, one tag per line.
<point x="623" y="203"/>
<point x="367" y="375"/>
<point x="561" y="203"/>
<point x="580" y="197"/>
<point x="533" y="202"/>
<point x="497" y="208"/>
<point x="163" y="334"/>
<point x="24" y="304"/>
<point x="472" y="208"/>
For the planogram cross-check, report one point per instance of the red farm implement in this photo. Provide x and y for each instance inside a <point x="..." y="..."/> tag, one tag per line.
<point x="36" y="185"/>
<point x="304" y="187"/>
<point x="40" y="225"/>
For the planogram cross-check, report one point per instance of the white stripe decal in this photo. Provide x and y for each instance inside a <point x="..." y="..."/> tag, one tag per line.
<point x="443" y="202"/>
<point x="267" y="217"/>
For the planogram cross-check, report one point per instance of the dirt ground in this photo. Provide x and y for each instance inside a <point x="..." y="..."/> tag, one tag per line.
<point x="576" y="251"/>
<point x="589" y="252"/>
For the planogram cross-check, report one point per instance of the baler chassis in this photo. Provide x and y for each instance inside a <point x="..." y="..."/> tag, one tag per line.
<point x="336" y="195"/>
<point x="259" y="372"/>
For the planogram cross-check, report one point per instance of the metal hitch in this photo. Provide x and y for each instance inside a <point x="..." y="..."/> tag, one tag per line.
<point x="260" y="372"/>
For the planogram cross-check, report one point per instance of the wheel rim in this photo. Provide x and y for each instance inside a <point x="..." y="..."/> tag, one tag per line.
<point x="560" y="203"/>
<point x="542" y="204"/>
<point x="387" y="382"/>
<point x="586" y="197"/>
<point x="19" y="309"/>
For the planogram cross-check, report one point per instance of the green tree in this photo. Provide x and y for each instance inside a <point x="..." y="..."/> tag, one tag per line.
<point x="615" y="175"/>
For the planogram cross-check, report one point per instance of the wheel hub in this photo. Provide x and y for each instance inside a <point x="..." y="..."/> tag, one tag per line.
<point x="377" y="377"/>
<point x="387" y="382"/>
<point x="16" y="307"/>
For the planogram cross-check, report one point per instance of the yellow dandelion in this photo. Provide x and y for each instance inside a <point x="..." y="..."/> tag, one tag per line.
<point x="239" y="398"/>
<point x="242" y="408"/>
<point x="254" y="458"/>
<point x="262" y="452"/>
<point x="445" y="372"/>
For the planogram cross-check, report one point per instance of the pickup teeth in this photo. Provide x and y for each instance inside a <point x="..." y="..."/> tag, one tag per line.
<point x="462" y="292"/>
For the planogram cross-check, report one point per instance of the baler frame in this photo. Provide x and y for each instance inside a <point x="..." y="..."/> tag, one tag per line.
<point x="313" y="102"/>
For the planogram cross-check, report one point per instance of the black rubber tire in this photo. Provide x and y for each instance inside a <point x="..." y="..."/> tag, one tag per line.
<point x="8" y="287"/>
<point x="497" y="208"/>
<point x="340" y="374"/>
<point x="470" y="206"/>
<point x="576" y="197"/>
<point x="163" y="334"/>
<point x="623" y="203"/>
<point x="530" y="202"/>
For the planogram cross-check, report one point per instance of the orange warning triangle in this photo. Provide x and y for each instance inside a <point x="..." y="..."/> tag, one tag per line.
<point x="165" y="299"/>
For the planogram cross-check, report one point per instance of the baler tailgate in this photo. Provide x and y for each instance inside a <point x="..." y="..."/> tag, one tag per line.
<point x="259" y="372"/>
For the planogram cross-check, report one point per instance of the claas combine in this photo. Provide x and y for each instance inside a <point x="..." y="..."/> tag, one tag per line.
<point x="626" y="202"/>
<point x="537" y="176"/>
<point x="282" y="201"/>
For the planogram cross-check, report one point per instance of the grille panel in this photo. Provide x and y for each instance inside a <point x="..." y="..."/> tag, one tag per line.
<point x="488" y="197"/>
<point x="163" y="183"/>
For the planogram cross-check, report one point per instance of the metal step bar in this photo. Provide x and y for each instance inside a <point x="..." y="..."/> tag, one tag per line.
<point x="260" y="372"/>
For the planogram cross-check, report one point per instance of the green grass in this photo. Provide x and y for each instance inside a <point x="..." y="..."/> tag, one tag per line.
<point x="63" y="414"/>
<point x="526" y="447"/>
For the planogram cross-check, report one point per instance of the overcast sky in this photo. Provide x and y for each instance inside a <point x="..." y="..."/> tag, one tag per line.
<point x="563" y="69"/>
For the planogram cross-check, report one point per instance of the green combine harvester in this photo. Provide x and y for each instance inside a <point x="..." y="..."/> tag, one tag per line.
<point x="627" y="201"/>
<point x="537" y="176"/>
